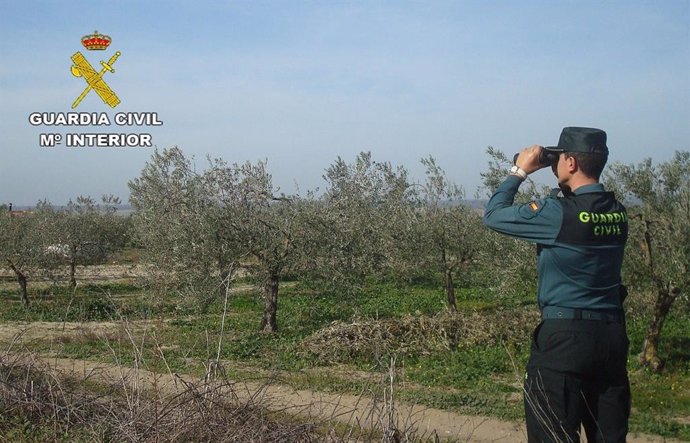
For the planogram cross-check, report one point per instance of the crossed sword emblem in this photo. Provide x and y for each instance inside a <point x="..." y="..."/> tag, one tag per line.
<point x="82" y="68"/>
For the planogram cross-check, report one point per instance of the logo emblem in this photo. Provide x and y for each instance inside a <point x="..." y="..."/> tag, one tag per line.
<point x="94" y="80"/>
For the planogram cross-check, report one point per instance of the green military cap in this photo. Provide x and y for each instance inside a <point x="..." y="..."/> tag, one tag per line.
<point x="575" y="139"/>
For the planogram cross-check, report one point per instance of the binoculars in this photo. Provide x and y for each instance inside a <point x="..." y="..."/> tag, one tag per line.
<point x="546" y="158"/>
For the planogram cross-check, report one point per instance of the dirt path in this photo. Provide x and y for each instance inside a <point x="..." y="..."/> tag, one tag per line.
<point x="345" y="408"/>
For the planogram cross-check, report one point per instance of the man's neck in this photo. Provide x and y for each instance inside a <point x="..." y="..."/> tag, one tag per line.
<point x="579" y="181"/>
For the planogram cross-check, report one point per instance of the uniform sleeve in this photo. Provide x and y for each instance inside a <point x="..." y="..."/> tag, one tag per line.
<point x="538" y="221"/>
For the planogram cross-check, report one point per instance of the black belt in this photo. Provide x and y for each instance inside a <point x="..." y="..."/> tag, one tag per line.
<point x="554" y="312"/>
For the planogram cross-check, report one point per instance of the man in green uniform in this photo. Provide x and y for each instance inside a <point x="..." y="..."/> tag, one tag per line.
<point x="576" y="373"/>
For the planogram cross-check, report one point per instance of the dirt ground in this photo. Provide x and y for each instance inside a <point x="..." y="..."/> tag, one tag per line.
<point x="92" y="273"/>
<point x="344" y="408"/>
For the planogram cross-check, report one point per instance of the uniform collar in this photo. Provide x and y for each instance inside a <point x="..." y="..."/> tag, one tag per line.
<point x="588" y="189"/>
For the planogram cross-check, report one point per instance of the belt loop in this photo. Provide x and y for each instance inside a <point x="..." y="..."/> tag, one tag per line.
<point x="577" y="314"/>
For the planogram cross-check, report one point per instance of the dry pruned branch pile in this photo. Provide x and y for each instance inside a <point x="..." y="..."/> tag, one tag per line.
<point x="418" y="334"/>
<point x="56" y="408"/>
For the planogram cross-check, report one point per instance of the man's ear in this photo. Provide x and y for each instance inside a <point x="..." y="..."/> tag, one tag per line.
<point x="571" y="163"/>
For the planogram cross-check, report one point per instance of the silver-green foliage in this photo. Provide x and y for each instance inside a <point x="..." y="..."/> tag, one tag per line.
<point x="357" y="223"/>
<point x="260" y="224"/>
<point x="449" y="234"/>
<point x="176" y="221"/>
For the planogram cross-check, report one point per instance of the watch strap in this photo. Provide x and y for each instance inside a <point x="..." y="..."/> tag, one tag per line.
<point x="516" y="170"/>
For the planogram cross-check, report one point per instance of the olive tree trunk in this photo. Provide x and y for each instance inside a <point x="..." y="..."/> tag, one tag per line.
<point x="21" y="279"/>
<point x="650" y="348"/>
<point x="73" y="269"/>
<point x="450" y="290"/>
<point x="269" y="323"/>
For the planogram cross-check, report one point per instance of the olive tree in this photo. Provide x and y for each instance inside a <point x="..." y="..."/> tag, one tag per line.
<point x="83" y="233"/>
<point x="202" y="226"/>
<point x="177" y="222"/>
<point x="354" y="226"/>
<point x="658" y="253"/>
<point x="266" y="225"/>
<point x="20" y="246"/>
<point x="449" y="232"/>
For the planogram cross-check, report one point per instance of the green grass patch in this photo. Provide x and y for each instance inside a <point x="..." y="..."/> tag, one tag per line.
<point x="460" y="369"/>
<point x="91" y="302"/>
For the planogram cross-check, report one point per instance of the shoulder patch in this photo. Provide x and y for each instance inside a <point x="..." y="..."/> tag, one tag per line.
<point x="530" y="210"/>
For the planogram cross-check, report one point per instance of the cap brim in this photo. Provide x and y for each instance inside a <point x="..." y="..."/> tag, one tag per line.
<point x="553" y="148"/>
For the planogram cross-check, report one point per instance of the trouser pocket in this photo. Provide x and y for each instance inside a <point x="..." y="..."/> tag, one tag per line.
<point x="535" y="335"/>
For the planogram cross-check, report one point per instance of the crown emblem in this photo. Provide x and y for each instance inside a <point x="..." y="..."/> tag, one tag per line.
<point x="96" y="41"/>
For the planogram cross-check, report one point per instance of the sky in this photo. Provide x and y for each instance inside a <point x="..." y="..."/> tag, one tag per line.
<point x="301" y="83"/>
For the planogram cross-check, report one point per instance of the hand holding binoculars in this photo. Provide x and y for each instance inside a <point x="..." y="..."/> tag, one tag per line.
<point x="546" y="158"/>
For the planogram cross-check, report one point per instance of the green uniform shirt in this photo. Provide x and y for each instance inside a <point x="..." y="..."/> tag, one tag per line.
<point x="585" y="276"/>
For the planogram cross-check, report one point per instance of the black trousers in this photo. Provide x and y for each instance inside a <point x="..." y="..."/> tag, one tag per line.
<point x="577" y="375"/>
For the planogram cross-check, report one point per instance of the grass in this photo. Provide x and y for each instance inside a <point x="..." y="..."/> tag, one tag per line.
<point x="476" y="380"/>
<point x="661" y="402"/>
<point x="90" y="302"/>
